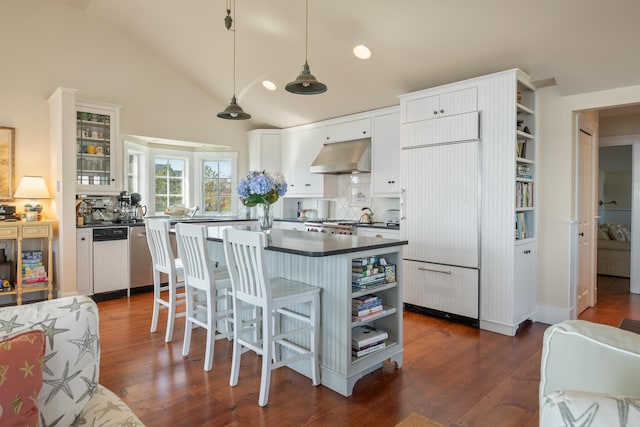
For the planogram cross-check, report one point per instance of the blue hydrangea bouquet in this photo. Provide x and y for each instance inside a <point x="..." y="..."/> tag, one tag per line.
<point x="260" y="187"/>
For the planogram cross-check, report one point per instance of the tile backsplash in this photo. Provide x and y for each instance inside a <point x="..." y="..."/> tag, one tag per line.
<point x="341" y="207"/>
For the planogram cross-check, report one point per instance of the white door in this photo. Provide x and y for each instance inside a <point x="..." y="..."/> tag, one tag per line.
<point x="586" y="277"/>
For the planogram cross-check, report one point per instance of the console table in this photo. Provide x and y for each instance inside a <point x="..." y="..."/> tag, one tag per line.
<point x="17" y="231"/>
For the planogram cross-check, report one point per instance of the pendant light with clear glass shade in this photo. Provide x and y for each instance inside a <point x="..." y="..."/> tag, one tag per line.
<point x="306" y="83"/>
<point x="233" y="110"/>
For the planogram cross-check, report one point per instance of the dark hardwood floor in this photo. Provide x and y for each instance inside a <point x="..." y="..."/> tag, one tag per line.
<point x="455" y="374"/>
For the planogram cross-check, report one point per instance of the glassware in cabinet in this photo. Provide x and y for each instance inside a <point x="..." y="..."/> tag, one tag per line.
<point x="95" y="137"/>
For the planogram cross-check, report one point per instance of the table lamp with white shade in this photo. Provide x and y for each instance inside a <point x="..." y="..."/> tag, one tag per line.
<point x="32" y="187"/>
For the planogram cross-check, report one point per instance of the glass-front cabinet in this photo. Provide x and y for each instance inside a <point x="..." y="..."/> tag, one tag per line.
<point x="96" y="139"/>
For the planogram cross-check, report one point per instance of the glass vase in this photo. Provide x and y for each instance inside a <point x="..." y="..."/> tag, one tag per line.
<point x="264" y="214"/>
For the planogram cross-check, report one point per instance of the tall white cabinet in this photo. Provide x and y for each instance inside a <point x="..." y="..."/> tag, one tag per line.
<point x="66" y="139"/>
<point x="385" y="153"/>
<point x="265" y="153"/>
<point x="509" y="256"/>
<point x="505" y="223"/>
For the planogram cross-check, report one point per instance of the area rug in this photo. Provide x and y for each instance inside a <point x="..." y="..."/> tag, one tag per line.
<point x="416" y="420"/>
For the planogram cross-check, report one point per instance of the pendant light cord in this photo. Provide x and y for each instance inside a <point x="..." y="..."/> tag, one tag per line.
<point x="234" y="48"/>
<point x="306" y="34"/>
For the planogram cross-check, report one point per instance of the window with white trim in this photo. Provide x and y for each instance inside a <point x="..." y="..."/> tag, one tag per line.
<point x="169" y="182"/>
<point x="217" y="186"/>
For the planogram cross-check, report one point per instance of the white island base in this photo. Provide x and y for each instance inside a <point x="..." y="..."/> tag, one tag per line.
<point x="326" y="261"/>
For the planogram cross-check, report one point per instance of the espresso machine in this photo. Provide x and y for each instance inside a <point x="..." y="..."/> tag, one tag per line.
<point x="124" y="211"/>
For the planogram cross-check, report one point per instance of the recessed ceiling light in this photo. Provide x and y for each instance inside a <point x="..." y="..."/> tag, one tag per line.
<point x="269" y="85"/>
<point x="362" y="52"/>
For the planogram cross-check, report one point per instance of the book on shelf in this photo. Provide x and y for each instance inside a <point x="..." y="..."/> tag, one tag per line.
<point x="524" y="194"/>
<point x="367" y="279"/>
<point x="364" y="312"/>
<point x="365" y="335"/>
<point x="521" y="225"/>
<point x="365" y="273"/>
<point x="359" y="305"/>
<point x="367" y="317"/>
<point x="31" y="256"/>
<point x="369" y="349"/>
<point x="523" y="170"/>
<point x="522" y="149"/>
<point x="390" y="273"/>
<point x="365" y="299"/>
<point x="358" y="287"/>
<point x="358" y="262"/>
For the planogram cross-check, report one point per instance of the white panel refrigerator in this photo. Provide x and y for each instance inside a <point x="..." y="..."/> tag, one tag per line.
<point x="440" y="220"/>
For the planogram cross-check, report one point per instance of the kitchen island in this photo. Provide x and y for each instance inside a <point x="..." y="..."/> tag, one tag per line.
<point x="326" y="260"/>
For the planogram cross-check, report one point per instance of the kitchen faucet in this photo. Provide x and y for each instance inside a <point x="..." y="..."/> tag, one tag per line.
<point x="192" y="211"/>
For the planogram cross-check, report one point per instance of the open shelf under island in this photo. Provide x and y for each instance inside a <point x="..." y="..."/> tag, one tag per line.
<point x="325" y="260"/>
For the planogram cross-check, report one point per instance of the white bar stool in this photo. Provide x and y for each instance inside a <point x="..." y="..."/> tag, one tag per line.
<point x="244" y="252"/>
<point x="164" y="261"/>
<point x="200" y="275"/>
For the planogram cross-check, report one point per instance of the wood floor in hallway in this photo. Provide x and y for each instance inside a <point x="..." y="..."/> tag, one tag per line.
<point x="453" y="373"/>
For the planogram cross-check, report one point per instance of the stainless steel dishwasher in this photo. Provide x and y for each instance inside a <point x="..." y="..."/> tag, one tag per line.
<point x="110" y="259"/>
<point x="141" y="271"/>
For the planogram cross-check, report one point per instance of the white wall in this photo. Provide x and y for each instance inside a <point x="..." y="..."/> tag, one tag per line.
<point x="54" y="45"/>
<point x="557" y="189"/>
<point x="46" y="45"/>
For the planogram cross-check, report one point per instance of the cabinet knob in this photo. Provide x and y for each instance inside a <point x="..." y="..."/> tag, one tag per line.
<point x="581" y="234"/>
<point x="82" y="238"/>
<point x="435" y="112"/>
<point x="307" y="185"/>
<point x="364" y="132"/>
<point x="441" y="111"/>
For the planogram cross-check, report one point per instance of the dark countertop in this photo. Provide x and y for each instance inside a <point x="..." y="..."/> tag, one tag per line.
<point x="312" y="244"/>
<point x="171" y="220"/>
<point x="382" y="225"/>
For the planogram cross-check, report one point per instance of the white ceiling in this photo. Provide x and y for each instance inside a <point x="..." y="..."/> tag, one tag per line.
<point x="585" y="45"/>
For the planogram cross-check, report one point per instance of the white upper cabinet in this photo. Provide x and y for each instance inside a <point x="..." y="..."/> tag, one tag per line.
<point x="442" y="105"/>
<point x="265" y="150"/>
<point x="457" y="128"/>
<point x="354" y="129"/>
<point x="97" y="148"/>
<point x="299" y="149"/>
<point x="385" y="155"/>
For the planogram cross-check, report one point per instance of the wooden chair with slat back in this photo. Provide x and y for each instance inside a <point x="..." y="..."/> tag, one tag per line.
<point x="287" y="327"/>
<point x="164" y="261"/>
<point x="202" y="277"/>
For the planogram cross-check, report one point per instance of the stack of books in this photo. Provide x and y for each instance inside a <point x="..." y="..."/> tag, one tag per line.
<point x="367" y="339"/>
<point x="366" y="273"/>
<point x="33" y="272"/>
<point x="365" y="307"/>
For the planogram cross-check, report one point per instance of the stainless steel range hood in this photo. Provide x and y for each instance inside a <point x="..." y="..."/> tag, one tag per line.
<point x="344" y="157"/>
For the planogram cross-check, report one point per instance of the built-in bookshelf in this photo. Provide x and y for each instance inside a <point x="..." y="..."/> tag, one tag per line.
<point x="373" y="299"/>
<point x="524" y="162"/>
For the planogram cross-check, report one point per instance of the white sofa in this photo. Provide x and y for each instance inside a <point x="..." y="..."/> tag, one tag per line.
<point x="614" y="250"/>
<point x="589" y="376"/>
<point x="70" y="394"/>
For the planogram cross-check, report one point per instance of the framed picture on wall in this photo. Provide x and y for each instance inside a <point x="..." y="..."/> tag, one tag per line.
<point x="7" y="167"/>
<point x="359" y="195"/>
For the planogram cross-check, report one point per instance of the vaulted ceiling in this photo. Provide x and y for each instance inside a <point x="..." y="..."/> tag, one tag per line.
<point x="585" y="45"/>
